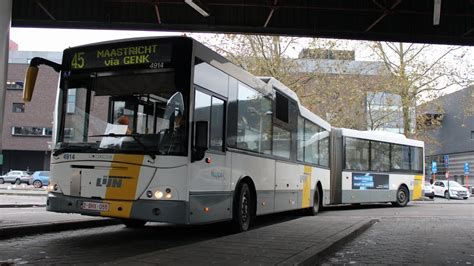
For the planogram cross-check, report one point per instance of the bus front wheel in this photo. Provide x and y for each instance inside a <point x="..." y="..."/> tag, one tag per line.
<point x="242" y="209"/>
<point x="402" y="197"/>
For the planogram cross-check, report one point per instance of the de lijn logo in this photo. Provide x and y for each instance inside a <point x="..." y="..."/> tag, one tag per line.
<point x="110" y="181"/>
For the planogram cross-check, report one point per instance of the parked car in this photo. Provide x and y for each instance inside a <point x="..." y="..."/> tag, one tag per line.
<point x="16" y="177"/>
<point x="428" y="190"/>
<point x="455" y="190"/>
<point x="40" y="179"/>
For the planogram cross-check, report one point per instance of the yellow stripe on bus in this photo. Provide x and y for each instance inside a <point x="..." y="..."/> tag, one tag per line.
<point x="125" y="167"/>
<point x="118" y="209"/>
<point x="306" y="197"/>
<point x="417" y="187"/>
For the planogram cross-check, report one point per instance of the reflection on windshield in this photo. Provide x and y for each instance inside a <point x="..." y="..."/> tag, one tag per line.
<point x="154" y="118"/>
<point x="454" y="184"/>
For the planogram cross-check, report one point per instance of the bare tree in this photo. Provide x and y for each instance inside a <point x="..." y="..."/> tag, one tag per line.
<point x="420" y="71"/>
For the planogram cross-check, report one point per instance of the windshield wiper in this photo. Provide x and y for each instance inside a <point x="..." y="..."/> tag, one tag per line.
<point x="135" y="137"/>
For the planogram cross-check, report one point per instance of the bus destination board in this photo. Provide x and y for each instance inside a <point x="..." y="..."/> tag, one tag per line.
<point x="154" y="55"/>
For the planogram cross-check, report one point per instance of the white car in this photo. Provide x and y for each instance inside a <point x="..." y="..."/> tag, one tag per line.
<point x="428" y="191"/>
<point x="16" y="177"/>
<point x="455" y="190"/>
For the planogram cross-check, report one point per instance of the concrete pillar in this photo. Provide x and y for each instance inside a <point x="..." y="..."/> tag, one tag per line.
<point x="5" y="23"/>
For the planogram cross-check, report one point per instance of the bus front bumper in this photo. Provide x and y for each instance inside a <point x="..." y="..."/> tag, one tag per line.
<point x="147" y="210"/>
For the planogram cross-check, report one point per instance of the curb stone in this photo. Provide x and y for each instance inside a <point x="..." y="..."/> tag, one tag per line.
<point x="52" y="227"/>
<point x="21" y="205"/>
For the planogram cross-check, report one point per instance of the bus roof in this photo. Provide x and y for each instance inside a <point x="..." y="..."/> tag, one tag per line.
<point x="383" y="136"/>
<point x="292" y="95"/>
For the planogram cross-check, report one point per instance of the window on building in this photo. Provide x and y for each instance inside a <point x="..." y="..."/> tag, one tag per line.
<point x="71" y="101"/>
<point x="472" y="134"/>
<point x="69" y="133"/>
<point x="14" y="85"/>
<point x="18" y="108"/>
<point x="32" y="131"/>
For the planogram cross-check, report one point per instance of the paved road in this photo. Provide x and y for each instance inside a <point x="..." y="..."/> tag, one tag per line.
<point x="107" y="244"/>
<point x="439" y="232"/>
<point x="418" y="233"/>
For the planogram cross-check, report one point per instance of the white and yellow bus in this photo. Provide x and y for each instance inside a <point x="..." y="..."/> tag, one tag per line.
<point x="164" y="129"/>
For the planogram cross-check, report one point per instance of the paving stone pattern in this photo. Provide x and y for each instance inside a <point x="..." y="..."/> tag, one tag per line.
<point x="427" y="241"/>
<point x="263" y="246"/>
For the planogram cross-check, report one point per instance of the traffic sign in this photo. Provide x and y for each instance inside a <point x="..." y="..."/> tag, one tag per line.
<point x="434" y="167"/>
<point x="466" y="168"/>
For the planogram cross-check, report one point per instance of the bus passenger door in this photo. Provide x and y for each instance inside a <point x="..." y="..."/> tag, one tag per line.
<point x="210" y="197"/>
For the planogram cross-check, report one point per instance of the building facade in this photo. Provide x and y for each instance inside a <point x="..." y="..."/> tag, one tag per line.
<point x="27" y="127"/>
<point x="350" y="93"/>
<point x="453" y="145"/>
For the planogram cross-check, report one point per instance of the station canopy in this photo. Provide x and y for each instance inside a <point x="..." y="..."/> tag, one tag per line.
<point x="425" y="21"/>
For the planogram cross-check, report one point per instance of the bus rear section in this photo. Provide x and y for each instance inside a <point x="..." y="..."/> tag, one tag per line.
<point x="373" y="166"/>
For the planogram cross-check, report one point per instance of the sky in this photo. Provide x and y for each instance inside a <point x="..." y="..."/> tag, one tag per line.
<point x="56" y="40"/>
<point x="37" y="39"/>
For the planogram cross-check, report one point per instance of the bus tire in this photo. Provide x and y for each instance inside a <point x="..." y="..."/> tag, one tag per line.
<point x="316" y="208"/>
<point x="132" y="223"/>
<point x="402" y="197"/>
<point x="242" y="209"/>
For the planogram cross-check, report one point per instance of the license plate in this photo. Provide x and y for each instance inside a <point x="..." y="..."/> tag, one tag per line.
<point x="95" y="206"/>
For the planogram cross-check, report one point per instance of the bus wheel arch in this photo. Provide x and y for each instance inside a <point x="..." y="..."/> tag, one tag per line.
<point x="244" y="204"/>
<point x="402" y="196"/>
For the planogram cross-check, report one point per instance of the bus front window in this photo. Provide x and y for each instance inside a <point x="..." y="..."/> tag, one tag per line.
<point x="147" y="108"/>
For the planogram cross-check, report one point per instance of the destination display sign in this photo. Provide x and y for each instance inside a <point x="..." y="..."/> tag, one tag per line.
<point x="154" y="55"/>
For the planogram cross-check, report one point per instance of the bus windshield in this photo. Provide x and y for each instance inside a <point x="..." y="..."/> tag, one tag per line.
<point x="138" y="112"/>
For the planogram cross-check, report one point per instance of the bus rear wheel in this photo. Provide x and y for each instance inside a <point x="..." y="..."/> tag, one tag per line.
<point x="242" y="209"/>
<point x="402" y="197"/>
<point x="132" y="223"/>
<point x="315" y="209"/>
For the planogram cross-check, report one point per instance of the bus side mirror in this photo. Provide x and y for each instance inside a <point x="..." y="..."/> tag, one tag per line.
<point x="201" y="140"/>
<point x="32" y="73"/>
<point x="29" y="84"/>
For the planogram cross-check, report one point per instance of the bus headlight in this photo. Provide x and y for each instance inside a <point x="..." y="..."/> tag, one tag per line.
<point x="52" y="188"/>
<point x="158" y="194"/>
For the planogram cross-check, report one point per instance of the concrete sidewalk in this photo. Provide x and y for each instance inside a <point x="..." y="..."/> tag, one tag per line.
<point x="13" y="200"/>
<point x="301" y="241"/>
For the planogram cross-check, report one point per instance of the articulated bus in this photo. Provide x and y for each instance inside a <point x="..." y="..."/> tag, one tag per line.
<point x="164" y="129"/>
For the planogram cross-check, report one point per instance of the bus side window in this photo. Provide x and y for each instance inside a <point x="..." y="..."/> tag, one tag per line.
<point x="217" y="124"/>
